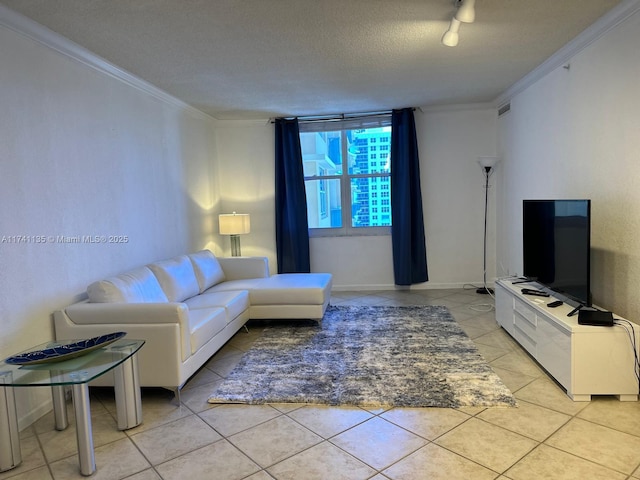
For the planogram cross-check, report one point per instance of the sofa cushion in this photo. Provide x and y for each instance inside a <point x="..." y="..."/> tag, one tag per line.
<point x="234" y="302"/>
<point x="282" y="289"/>
<point x="176" y="277"/>
<point x="236" y="285"/>
<point x="137" y="286"/>
<point x="204" y="324"/>
<point x="207" y="268"/>
<point x="293" y="289"/>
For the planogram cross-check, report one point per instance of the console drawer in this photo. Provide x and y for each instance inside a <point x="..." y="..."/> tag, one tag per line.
<point x="525" y="312"/>
<point x="524" y="339"/>
<point x="524" y="324"/>
<point x="525" y="330"/>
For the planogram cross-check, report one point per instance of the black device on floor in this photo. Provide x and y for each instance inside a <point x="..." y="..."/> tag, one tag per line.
<point x="555" y="304"/>
<point x="595" y="317"/>
<point x="531" y="291"/>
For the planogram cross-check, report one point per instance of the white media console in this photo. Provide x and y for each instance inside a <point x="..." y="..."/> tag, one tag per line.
<point x="585" y="360"/>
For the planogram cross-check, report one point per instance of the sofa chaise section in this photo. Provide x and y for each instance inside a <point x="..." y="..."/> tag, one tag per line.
<point x="284" y="296"/>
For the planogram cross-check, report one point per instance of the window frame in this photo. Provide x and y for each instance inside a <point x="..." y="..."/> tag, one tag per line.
<point x="346" y="178"/>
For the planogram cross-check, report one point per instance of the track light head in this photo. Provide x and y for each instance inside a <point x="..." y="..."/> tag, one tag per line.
<point x="451" y="37"/>
<point x="467" y="12"/>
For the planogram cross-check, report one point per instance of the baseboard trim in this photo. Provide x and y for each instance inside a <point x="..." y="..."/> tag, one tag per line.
<point x="35" y="414"/>
<point x="419" y="286"/>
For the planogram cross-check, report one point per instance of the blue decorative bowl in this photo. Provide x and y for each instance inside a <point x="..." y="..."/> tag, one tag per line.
<point x="64" y="351"/>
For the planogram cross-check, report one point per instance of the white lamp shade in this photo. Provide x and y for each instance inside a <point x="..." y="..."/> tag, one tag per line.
<point x="451" y="37"/>
<point x="488" y="161"/>
<point x="234" y="223"/>
<point x="467" y="12"/>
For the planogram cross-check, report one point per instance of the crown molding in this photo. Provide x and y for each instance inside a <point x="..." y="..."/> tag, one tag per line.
<point x="604" y="24"/>
<point x="48" y="38"/>
<point x="456" y="107"/>
<point x="243" y="122"/>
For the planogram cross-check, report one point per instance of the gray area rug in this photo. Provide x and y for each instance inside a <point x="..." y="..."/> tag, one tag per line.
<point x="368" y="356"/>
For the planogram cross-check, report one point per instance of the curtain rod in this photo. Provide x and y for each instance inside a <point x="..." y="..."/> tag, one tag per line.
<point x="335" y="117"/>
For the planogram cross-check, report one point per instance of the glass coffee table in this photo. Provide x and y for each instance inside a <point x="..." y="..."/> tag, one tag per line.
<point x="119" y="356"/>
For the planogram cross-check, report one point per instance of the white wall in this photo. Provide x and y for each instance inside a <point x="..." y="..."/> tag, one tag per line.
<point x="575" y="133"/>
<point x="83" y="153"/>
<point x="450" y="140"/>
<point x="247" y="183"/>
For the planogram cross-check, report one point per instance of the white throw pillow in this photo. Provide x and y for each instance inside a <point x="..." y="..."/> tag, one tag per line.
<point x="207" y="268"/>
<point x="176" y="277"/>
<point x="137" y="286"/>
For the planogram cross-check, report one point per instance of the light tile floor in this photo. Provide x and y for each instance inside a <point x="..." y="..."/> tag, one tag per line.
<point x="547" y="437"/>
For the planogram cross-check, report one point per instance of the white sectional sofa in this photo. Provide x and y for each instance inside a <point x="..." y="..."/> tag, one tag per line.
<point x="186" y="308"/>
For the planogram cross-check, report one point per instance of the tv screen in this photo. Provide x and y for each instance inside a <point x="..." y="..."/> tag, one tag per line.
<point x="557" y="246"/>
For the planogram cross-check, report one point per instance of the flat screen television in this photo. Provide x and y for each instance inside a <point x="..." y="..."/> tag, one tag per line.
<point x="557" y="246"/>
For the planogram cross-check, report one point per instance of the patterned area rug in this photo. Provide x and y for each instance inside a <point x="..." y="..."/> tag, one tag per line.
<point x="368" y="356"/>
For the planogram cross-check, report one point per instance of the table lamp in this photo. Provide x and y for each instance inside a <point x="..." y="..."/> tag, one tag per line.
<point x="234" y="224"/>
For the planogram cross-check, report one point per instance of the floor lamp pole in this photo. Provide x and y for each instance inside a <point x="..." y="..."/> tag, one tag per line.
<point x="484" y="289"/>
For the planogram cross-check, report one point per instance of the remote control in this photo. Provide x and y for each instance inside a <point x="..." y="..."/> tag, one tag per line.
<point x="555" y="304"/>
<point x="538" y="293"/>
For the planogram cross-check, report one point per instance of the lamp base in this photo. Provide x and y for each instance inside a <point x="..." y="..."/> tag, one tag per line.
<point x="485" y="291"/>
<point x="235" y="246"/>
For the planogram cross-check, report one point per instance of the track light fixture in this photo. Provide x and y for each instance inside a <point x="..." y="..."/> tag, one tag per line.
<point x="450" y="37"/>
<point x="466" y="13"/>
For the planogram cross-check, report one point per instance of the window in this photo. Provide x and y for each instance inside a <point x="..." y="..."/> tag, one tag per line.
<point x="342" y="176"/>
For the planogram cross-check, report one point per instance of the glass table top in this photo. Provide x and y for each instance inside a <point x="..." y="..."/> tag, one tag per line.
<point x="77" y="370"/>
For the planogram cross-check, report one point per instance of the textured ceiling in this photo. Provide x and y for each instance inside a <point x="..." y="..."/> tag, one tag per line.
<point x="262" y="58"/>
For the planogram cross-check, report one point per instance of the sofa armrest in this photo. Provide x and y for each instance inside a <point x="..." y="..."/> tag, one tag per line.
<point x="128" y="313"/>
<point x="239" y="268"/>
<point x="163" y="324"/>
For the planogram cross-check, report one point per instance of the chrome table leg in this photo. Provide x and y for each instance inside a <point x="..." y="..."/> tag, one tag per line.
<point x="10" y="454"/>
<point x="59" y="407"/>
<point x="127" y="390"/>
<point x="82" y="408"/>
